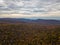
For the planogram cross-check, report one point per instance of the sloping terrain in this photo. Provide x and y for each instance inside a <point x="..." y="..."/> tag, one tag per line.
<point x="29" y="34"/>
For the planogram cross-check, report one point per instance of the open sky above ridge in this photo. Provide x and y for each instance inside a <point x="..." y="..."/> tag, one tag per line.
<point x="44" y="9"/>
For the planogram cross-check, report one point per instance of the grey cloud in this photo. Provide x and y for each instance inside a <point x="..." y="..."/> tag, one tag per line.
<point x="30" y="6"/>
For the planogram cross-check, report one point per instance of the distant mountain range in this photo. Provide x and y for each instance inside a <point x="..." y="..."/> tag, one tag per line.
<point x="22" y="20"/>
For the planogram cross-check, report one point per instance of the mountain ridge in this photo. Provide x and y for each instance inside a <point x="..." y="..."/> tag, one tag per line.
<point x="23" y="20"/>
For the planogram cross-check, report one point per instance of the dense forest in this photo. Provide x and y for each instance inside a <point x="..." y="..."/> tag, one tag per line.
<point x="29" y="34"/>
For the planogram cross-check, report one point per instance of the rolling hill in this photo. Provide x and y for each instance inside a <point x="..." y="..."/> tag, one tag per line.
<point x="22" y="20"/>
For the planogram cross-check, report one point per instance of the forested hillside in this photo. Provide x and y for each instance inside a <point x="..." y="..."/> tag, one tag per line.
<point x="29" y="34"/>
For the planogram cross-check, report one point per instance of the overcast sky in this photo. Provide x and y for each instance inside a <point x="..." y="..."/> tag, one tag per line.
<point x="44" y="9"/>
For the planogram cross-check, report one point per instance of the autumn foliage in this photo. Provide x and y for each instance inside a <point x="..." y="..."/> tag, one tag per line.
<point x="29" y="34"/>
